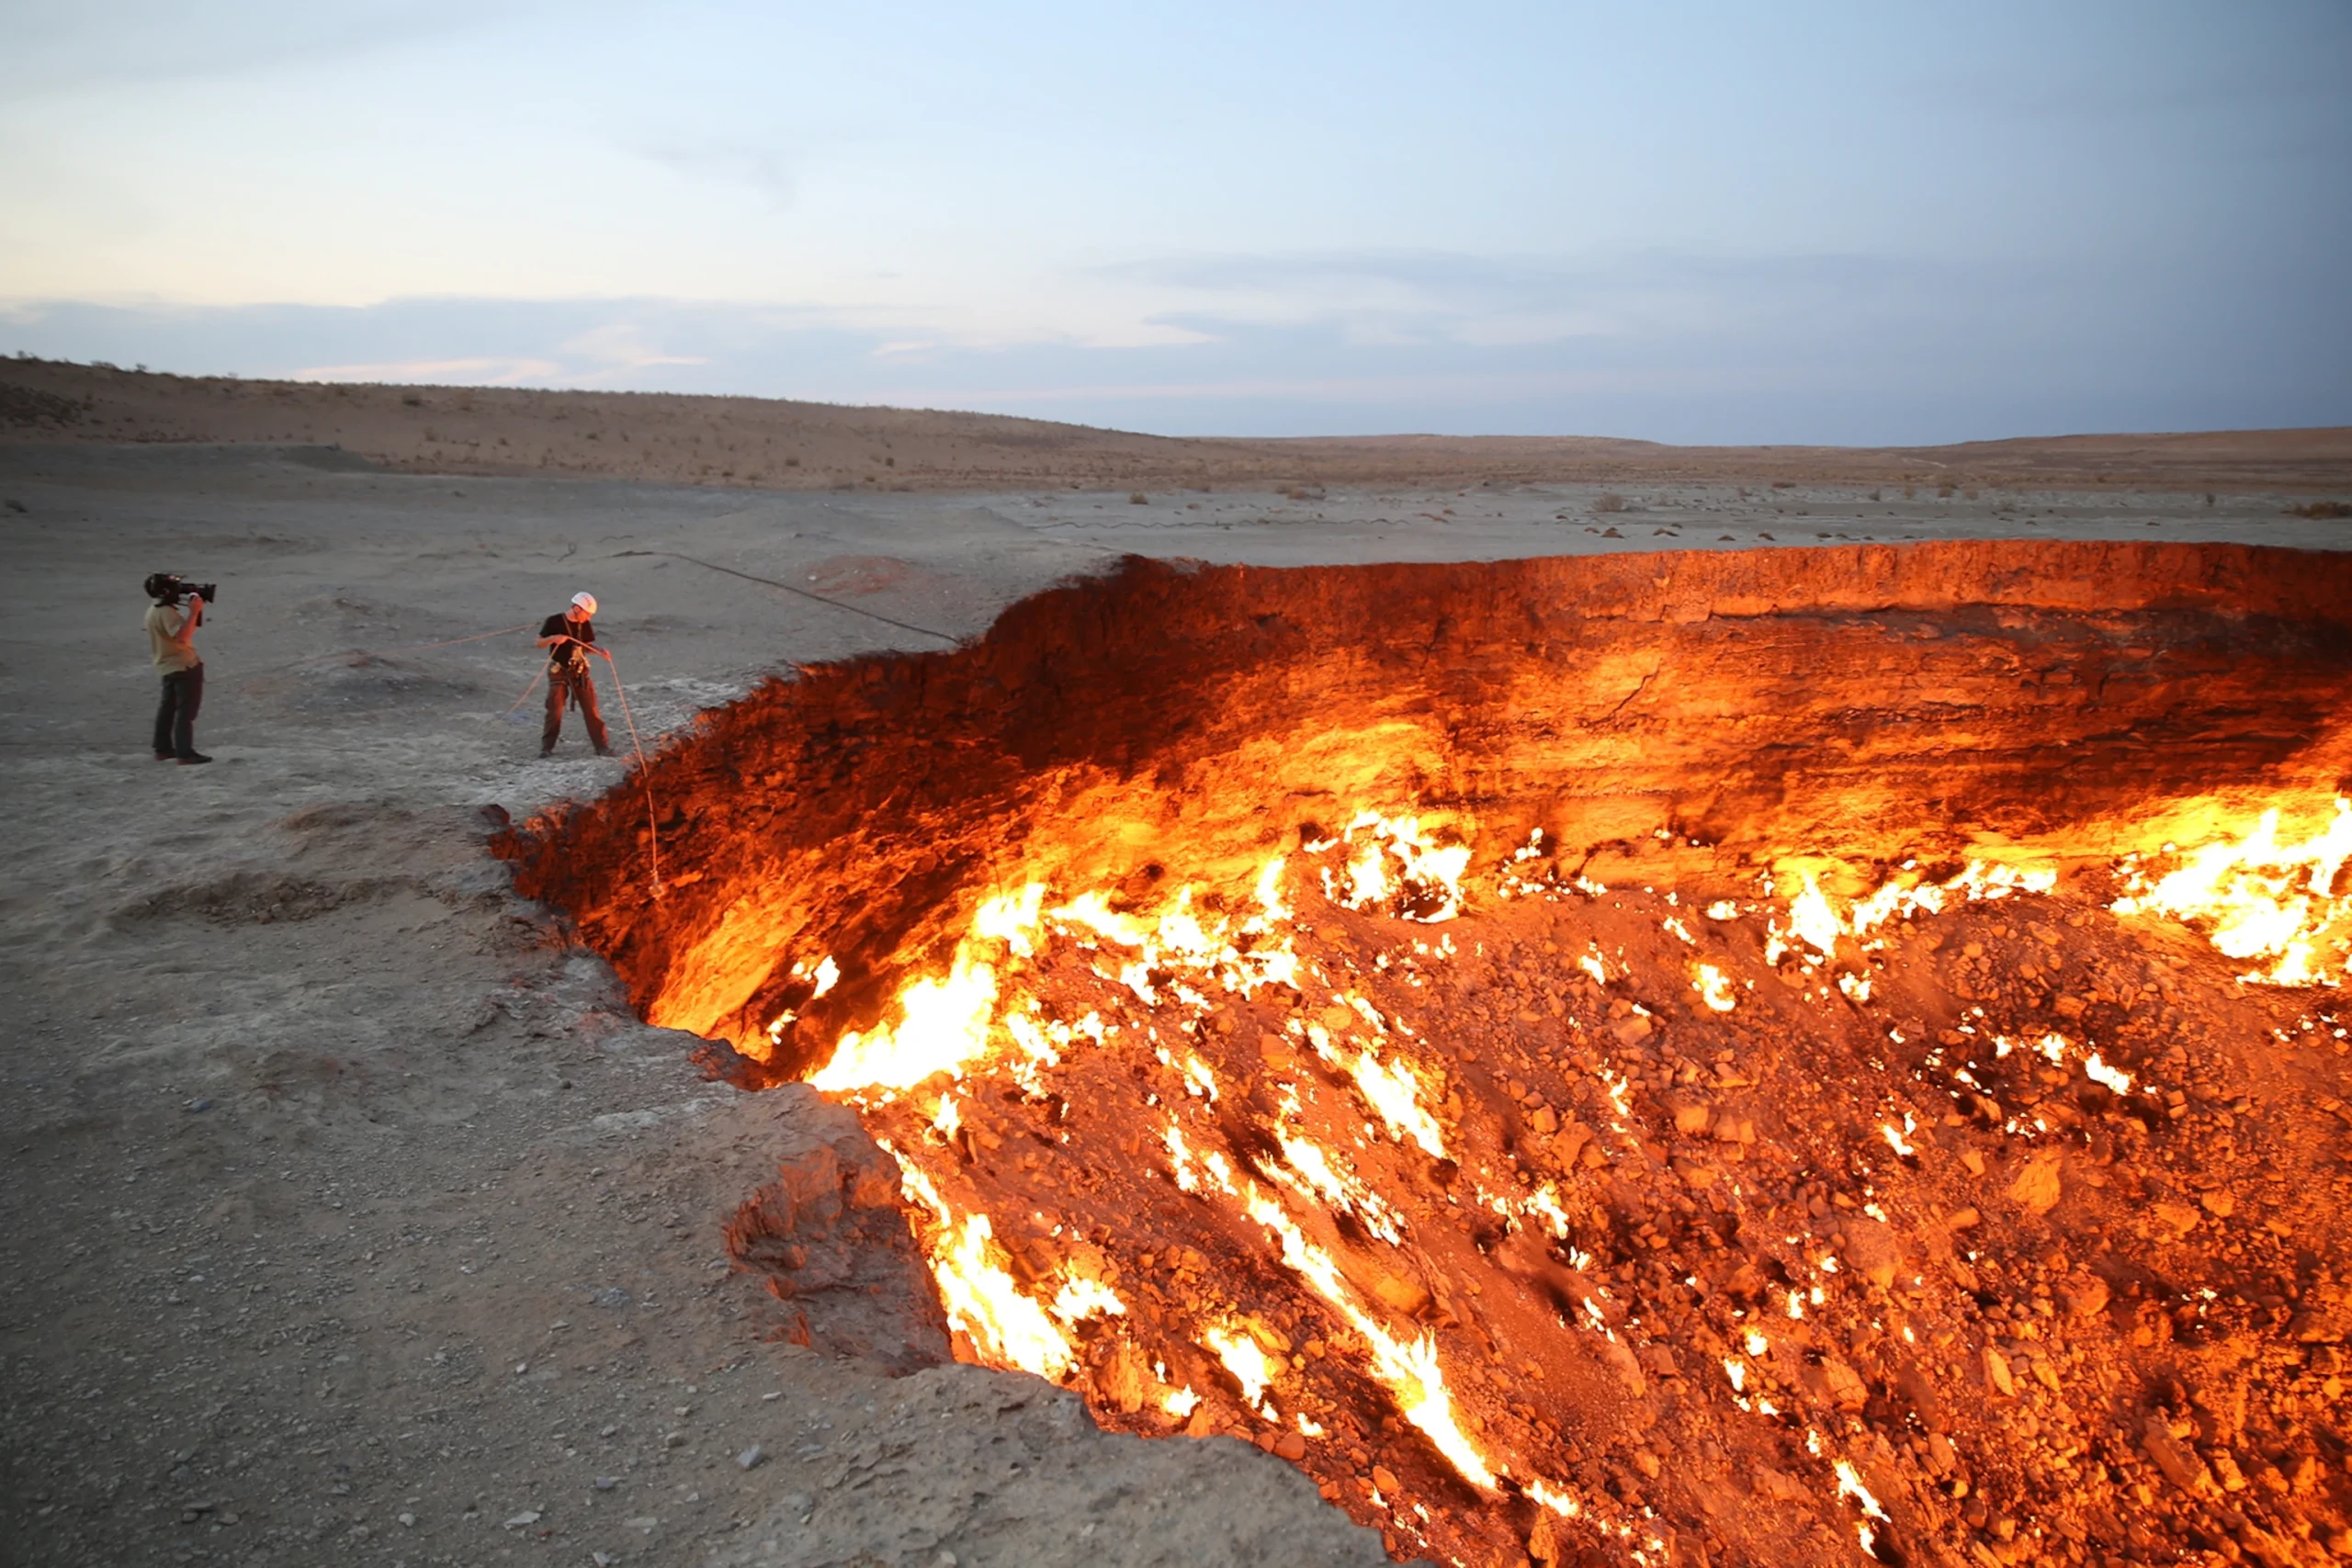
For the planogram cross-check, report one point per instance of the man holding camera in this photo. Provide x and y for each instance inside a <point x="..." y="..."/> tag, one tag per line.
<point x="170" y="637"/>
<point x="569" y="638"/>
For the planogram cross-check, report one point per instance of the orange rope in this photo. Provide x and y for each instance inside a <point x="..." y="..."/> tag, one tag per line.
<point x="644" y="774"/>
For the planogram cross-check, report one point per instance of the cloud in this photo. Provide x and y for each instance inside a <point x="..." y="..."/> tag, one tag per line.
<point x="1664" y="346"/>
<point x="750" y="166"/>
<point x="623" y="346"/>
<point x="1405" y="295"/>
<point x="467" y="372"/>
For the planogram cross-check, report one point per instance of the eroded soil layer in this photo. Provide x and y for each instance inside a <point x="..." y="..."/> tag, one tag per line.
<point x="1553" y="1192"/>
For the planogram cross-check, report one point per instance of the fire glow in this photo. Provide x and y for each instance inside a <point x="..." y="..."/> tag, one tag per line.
<point x="2257" y="898"/>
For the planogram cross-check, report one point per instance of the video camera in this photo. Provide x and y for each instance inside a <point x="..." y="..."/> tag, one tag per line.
<point x="170" y="587"/>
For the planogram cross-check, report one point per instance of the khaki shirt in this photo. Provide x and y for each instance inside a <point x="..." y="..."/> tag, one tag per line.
<point x="163" y="624"/>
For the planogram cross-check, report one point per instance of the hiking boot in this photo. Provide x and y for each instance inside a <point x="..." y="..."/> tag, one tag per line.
<point x="604" y="751"/>
<point x="546" y="751"/>
<point x="192" y="759"/>
<point x="167" y="756"/>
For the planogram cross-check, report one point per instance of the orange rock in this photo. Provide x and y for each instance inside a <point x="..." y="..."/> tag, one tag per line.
<point x="2036" y="1188"/>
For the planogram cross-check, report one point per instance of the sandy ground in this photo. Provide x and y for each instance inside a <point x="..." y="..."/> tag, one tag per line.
<point x="350" y="1216"/>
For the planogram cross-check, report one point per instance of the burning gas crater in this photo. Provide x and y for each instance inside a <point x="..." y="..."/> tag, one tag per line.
<point x="1453" y="1075"/>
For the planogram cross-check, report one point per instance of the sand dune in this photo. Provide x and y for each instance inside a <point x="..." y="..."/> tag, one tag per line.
<point x="767" y="444"/>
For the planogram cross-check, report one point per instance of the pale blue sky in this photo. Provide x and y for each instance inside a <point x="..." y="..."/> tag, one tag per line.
<point x="1797" y="221"/>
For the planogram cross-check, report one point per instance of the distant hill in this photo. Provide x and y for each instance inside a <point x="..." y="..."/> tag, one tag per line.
<point x="770" y="443"/>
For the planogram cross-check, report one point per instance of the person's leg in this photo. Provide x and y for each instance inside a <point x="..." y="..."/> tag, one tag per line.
<point x="163" y="712"/>
<point x="184" y="722"/>
<point x="554" y="726"/>
<point x="593" y="714"/>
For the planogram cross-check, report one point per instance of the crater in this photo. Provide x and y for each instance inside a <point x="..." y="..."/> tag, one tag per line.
<point x="1722" y="1058"/>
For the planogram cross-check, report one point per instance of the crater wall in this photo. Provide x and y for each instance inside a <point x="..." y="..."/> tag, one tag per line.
<point x="1716" y="711"/>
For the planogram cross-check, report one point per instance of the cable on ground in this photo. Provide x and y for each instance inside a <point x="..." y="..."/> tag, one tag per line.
<point x="788" y="588"/>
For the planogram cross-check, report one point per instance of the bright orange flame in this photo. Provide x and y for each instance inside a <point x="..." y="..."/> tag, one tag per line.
<point x="1246" y="1363"/>
<point x="1715" y="988"/>
<point x="1424" y="870"/>
<point x="980" y="1297"/>
<point x="1408" y="1369"/>
<point x="1849" y="1484"/>
<point x="2258" y="898"/>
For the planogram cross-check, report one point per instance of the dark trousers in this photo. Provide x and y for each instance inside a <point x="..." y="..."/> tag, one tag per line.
<point x="175" y="719"/>
<point x="576" y="685"/>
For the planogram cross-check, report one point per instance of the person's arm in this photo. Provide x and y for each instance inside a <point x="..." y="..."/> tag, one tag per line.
<point x="184" y="639"/>
<point x="555" y="639"/>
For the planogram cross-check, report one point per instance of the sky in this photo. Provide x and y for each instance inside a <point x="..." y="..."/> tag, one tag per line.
<point x="1880" y="222"/>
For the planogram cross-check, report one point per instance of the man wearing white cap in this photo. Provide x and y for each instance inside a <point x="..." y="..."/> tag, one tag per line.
<point x="569" y="638"/>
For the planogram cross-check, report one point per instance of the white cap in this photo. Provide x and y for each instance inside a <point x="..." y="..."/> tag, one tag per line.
<point x="584" y="602"/>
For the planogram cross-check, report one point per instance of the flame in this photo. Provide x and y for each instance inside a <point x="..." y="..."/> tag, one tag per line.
<point x="1849" y="1486"/>
<point x="942" y="1021"/>
<point x="942" y="1025"/>
<point x="1078" y="1300"/>
<point x="1559" y="1503"/>
<point x="1545" y="1206"/>
<point x="1248" y="1363"/>
<point x="1408" y="1369"/>
<point x="2258" y="898"/>
<point x="1425" y="869"/>
<point x="1010" y="919"/>
<point x="1311" y="1171"/>
<point x="1812" y="920"/>
<point x="1396" y="1094"/>
<point x="1715" y="988"/>
<point x="979" y="1295"/>
<point x="1192" y="1171"/>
